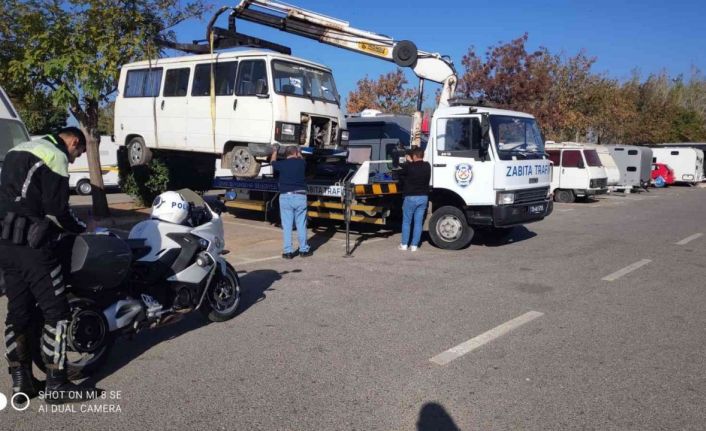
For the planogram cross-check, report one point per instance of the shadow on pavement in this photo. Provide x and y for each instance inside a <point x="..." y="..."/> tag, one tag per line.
<point x="499" y="237"/>
<point x="433" y="417"/>
<point x="253" y="287"/>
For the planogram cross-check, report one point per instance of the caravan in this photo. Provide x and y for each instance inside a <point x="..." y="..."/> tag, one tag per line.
<point x="635" y="164"/>
<point x="577" y="172"/>
<point x="687" y="163"/>
<point x="611" y="168"/>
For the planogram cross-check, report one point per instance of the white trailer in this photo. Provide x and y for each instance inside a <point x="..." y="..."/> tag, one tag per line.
<point x="687" y="163"/>
<point x="635" y="164"/>
<point x="577" y="172"/>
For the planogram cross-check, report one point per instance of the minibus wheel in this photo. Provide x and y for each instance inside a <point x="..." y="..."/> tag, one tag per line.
<point x="137" y="152"/>
<point x="243" y="163"/>
<point x="564" y="196"/>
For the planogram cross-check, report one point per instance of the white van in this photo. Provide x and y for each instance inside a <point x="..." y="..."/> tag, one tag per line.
<point x="261" y="98"/>
<point x="79" y="177"/>
<point x="687" y="163"/>
<point x="577" y="171"/>
<point x="12" y="129"/>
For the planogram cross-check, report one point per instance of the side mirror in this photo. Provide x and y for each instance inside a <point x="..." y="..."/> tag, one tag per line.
<point x="581" y="165"/>
<point x="484" y="132"/>
<point x="261" y="89"/>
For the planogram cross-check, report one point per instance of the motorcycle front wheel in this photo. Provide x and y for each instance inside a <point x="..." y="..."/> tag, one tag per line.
<point x="223" y="296"/>
<point x="88" y="339"/>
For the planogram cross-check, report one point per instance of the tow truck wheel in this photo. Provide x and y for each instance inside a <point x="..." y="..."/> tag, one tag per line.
<point x="243" y="163"/>
<point x="449" y="229"/>
<point x="564" y="196"/>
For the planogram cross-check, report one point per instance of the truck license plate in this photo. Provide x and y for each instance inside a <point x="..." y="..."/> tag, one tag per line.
<point x="536" y="209"/>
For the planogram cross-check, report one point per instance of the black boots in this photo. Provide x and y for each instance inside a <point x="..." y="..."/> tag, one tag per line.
<point x="20" y="365"/>
<point x="59" y="390"/>
<point x="23" y="381"/>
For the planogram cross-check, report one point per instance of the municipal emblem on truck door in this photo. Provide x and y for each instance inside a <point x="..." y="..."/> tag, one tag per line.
<point x="464" y="174"/>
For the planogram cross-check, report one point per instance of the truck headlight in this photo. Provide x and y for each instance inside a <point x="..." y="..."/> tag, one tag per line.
<point x="287" y="132"/>
<point x="344" y="137"/>
<point x="506" y="198"/>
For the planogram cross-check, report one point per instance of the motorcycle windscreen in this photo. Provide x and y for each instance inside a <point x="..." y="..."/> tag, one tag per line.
<point x="99" y="262"/>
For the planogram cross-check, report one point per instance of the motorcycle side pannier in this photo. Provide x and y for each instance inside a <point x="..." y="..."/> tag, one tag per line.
<point x="99" y="262"/>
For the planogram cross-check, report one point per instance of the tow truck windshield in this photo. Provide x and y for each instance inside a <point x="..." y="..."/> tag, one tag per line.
<point x="517" y="137"/>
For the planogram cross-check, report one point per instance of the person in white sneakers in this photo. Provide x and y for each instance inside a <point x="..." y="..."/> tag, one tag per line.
<point x="414" y="177"/>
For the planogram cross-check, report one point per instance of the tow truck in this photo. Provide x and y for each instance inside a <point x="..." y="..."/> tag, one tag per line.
<point x="489" y="168"/>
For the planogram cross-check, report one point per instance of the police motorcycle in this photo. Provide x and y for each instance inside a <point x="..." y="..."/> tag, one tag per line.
<point x="170" y="265"/>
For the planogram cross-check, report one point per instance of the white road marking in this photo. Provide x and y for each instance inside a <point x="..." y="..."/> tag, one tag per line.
<point x="688" y="239"/>
<point x="249" y="261"/>
<point x="484" y="338"/>
<point x="628" y="269"/>
<point x="565" y="210"/>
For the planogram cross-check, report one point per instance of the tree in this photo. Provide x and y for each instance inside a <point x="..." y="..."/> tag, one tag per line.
<point x="73" y="49"/>
<point x="37" y="110"/>
<point x="551" y="88"/>
<point x="387" y="94"/>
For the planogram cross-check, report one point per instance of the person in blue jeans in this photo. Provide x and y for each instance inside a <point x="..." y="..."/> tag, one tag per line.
<point x="292" y="199"/>
<point x="414" y="177"/>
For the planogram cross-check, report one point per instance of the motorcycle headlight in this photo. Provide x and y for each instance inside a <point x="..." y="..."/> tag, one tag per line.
<point x="203" y="260"/>
<point x="505" y="198"/>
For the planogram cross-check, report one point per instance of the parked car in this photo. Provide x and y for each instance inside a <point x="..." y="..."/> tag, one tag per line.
<point x="664" y="171"/>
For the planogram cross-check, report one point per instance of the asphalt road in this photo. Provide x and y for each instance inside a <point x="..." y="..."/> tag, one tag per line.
<point x="591" y="319"/>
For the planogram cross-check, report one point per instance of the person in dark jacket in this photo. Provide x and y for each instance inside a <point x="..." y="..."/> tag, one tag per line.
<point x="292" y="199"/>
<point x="414" y="176"/>
<point x="35" y="214"/>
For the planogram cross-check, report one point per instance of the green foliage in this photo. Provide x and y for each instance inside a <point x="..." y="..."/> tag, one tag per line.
<point x="105" y="119"/>
<point x="73" y="50"/>
<point x="144" y="183"/>
<point x="174" y="172"/>
<point x="38" y="112"/>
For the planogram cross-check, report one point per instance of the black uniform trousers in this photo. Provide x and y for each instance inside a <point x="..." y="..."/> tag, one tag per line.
<point x="34" y="277"/>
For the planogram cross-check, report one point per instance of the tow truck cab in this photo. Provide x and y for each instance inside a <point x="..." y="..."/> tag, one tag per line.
<point x="489" y="170"/>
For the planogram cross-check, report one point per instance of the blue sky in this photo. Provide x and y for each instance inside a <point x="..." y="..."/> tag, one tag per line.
<point x="647" y="35"/>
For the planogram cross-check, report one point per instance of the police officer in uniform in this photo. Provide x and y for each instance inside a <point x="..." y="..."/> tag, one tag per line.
<point x="35" y="213"/>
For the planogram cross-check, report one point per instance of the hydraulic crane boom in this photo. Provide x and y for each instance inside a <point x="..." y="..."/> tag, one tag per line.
<point x="426" y="65"/>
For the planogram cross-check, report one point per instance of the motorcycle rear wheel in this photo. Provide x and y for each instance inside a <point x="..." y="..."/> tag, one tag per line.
<point x="88" y="340"/>
<point x="223" y="297"/>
